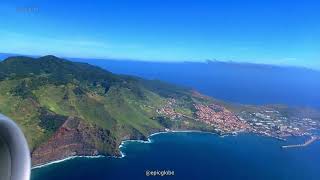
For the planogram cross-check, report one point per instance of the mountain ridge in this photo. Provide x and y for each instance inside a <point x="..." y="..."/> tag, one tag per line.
<point x="75" y="109"/>
<point x="79" y="108"/>
<point x="209" y="61"/>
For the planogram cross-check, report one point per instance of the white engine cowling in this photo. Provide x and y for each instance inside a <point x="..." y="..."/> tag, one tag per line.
<point x="15" y="161"/>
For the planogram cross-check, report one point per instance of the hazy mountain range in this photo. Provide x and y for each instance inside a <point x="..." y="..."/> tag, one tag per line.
<point x="235" y="82"/>
<point x="69" y="108"/>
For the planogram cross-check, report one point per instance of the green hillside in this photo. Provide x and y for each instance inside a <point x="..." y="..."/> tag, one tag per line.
<point x="53" y="99"/>
<point x="66" y="109"/>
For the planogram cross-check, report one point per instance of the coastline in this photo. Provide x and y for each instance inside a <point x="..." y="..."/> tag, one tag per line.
<point x="161" y="132"/>
<point x="65" y="159"/>
<point x="123" y="142"/>
<point x="149" y="140"/>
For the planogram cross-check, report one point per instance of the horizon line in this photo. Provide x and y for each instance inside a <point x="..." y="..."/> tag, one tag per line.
<point x="206" y="61"/>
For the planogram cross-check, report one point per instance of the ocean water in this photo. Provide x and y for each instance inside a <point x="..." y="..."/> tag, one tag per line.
<point x="196" y="156"/>
<point x="207" y="156"/>
<point x="234" y="82"/>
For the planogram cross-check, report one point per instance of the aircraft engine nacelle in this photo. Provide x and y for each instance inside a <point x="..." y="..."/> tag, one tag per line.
<point x="15" y="161"/>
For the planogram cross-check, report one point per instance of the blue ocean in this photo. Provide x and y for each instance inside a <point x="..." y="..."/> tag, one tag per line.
<point x="234" y="82"/>
<point x="208" y="156"/>
<point x="196" y="156"/>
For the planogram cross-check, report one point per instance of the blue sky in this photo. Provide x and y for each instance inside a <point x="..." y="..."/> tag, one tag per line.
<point x="265" y="31"/>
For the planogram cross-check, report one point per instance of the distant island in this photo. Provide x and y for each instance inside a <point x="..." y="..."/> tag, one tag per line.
<point x="75" y="109"/>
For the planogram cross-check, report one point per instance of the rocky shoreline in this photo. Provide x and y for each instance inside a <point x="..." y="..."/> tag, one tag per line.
<point x="124" y="141"/>
<point x="74" y="138"/>
<point x="120" y="155"/>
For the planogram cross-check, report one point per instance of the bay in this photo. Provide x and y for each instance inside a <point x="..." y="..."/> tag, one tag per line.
<point x="192" y="155"/>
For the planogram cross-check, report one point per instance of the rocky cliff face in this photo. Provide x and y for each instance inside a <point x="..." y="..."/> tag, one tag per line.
<point x="71" y="109"/>
<point x="74" y="138"/>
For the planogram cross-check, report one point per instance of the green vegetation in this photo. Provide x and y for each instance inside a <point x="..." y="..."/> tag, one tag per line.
<point x="41" y="94"/>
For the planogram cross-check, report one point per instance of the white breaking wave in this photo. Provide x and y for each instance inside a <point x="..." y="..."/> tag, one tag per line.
<point x="66" y="159"/>
<point x="120" y="146"/>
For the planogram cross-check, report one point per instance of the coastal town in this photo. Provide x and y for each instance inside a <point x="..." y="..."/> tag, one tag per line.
<point x="275" y="124"/>
<point x="224" y="120"/>
<point x="263" y="121"/>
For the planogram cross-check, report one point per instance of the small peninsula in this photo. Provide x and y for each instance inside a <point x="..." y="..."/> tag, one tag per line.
<point x="75" y="109"/>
